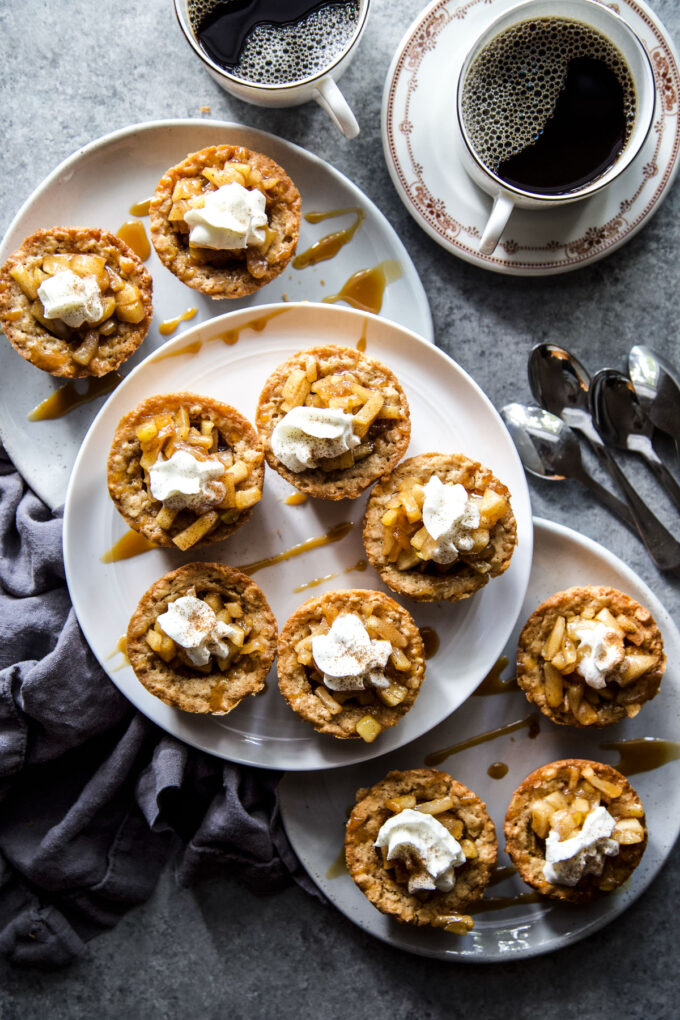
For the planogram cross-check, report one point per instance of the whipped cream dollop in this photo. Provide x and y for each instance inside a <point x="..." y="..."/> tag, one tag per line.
<point x="425" y="846"/>
<point x="449" y="515"/>
<point x="184" y="481"/>
<point x="73" y="299"/>
<point x="567" y="861"/>
<point x="231" y="218"/>
<point x="599" y="649"/>
<point x="349" y="658"/>
<point x="307" y="435"/>
<point x="192" y="625"/>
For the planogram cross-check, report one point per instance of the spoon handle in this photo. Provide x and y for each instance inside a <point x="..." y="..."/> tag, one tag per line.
<point x="660" y="544"/>
<point x="666" y="479"/>
<point x="612" y="503"/>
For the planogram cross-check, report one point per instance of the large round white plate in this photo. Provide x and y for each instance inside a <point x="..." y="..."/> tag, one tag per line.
<point x="314" y="808"/>
<point x="421" y="145"/>
<point x="96" y="187"/>
<point x="448" y="412"/>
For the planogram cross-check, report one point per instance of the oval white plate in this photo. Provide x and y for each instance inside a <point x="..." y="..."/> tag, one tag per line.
<point x="314" y="808"/>
<point x="420" y="142"/>
<point x="448" y="412"/>
<point x="96" y="187"/>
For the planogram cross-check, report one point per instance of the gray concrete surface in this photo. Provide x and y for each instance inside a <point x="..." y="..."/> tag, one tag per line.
<point x="73" y="70"/>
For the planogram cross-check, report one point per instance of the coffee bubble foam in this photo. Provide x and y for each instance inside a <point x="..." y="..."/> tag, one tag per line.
<point x="279" y="54"/>
<point x="512" y="87"/>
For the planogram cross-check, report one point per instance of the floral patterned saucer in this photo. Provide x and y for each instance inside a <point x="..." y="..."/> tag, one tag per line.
<point x="421" y="145"/>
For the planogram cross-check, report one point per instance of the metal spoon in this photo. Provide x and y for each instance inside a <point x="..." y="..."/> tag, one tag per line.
<point x="549" y="449"/>
<point x="561" y="384"/>
<point x="623" y="424"/>
<point x="657" y="388"/>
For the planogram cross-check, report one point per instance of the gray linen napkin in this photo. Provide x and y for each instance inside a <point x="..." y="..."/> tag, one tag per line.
<point x="94" y="798"/>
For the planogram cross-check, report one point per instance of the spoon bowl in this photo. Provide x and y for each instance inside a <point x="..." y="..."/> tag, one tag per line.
<point x="560" y="384"/>
<point x="617" y="412"/>
<point x="657" y="388"/>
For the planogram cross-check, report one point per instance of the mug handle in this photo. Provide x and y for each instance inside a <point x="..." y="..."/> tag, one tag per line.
<point x="497" y="222"/>
<point x="334" y="103"/>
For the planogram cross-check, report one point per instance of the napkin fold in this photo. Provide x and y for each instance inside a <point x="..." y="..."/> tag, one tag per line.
<point x="94" y="798"/>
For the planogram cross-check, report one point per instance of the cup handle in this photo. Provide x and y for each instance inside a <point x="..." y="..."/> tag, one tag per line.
<point x="500" y="214"/>
<point x="334" y="103"/>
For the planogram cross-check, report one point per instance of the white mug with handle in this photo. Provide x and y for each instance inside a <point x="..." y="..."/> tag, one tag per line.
<point x="608" y="23"/>
<point x="320" y="86"/>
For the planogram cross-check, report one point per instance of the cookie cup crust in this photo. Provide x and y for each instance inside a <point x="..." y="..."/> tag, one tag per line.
<point x="570" y="603"/>
<point x="294" y="682"/>
<point x="219" y="692"/>
<point x="527" y="851"/>
<point x="225" y="274"/>
<point x="365" y="863"/>
<point x="464" y="579"/>
<point x="126" y="478"/>
<point x="33" y="341"/>
<point x="390" y="442"/>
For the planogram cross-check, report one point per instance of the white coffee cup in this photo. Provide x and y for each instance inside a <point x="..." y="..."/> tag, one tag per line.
<point x="322" y="86"/>
<point x="604" y="20"/>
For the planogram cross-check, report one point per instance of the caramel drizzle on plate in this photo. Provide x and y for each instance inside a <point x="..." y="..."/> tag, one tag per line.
<point x="642" y="754"/>
<point x="169" y="326"/>
<point x="131" y="544"/>
<point x="531" y="723"/>
<point x="430" y="641"/>
<point x="296" y="499"/>
<point x="360" y="565"/>
<point x="190" y="348"/>
<point x="67" y="398"/>
<point x="493" y="682"/>
<point x="140" y="208"/>
<point x="365" y="289"/>
<point x="232" y="336"/>
<point x="329" y="246"/>
<point x="334" y="534"/>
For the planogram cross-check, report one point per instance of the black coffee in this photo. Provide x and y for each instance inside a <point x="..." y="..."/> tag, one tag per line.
<point x="273" y="42"/>
<point x="549" y="105"/>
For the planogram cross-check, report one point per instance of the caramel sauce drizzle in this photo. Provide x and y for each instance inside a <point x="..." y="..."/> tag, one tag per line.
<point x="170" y="325"/>
<point x="430" y="641"/>
<point x="333" y="535"/>
<point x="192" y="348"/>
<point x="134" y="235"/>
<point x="329" y="246"/>
<point x="361" y="342"/>
<point x="231" y="336"/>
<point x="531" y="723"/>
<point x="120" y="649"/>
<point x="365" y="290"/>
<point x="131" y="544"/>
<point x="643" y="754"/>
<point x="217" y="696"/>
<point x="338" y="867"/>
<point x="140" y="208"/>
<point x="67" y="397"/>
<point x="501" y="902"/>
<point x="492" y="682"/>
<point x="499" y="875"/>
<point x="359" y="565"/>
<point x="296" y="499"/>
<point x="497" y="770"/>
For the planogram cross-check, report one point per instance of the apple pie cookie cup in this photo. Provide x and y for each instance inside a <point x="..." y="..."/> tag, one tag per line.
<point x="241" y="656"/>
<point x="225" y="272"/>
<point x="403" y="552"/>
<point x="107" y="288"/>
<point x="386" y="882"/>
<point x="366" y="403"/>
<point x="349" y="714"/>
<point x="552" y="804"/>
<point x="590" y="656"/>
<point x="211" y="437"/>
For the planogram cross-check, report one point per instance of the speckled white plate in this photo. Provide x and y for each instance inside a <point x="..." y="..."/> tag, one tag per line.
<point x="448" y="412"/>
<point x="96" y="187"/>
<point x="421" y="140"/>
<point x="314" y="807"/>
